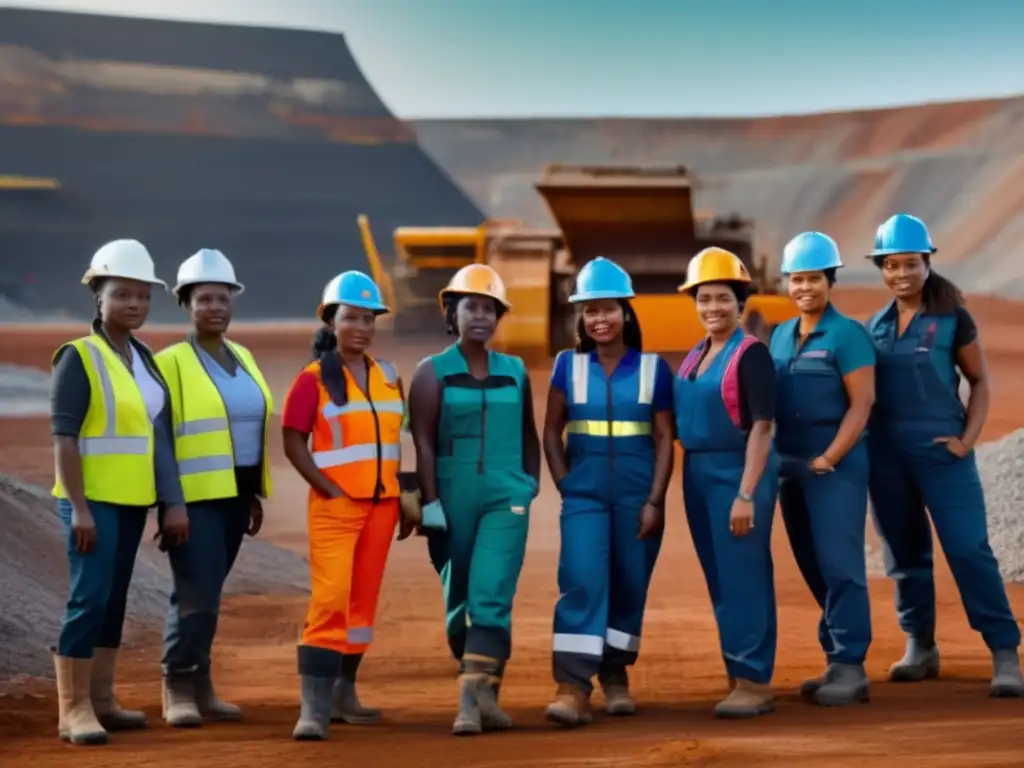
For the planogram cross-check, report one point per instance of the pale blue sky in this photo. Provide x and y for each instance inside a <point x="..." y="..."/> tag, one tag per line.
<point x="524" y="58"/>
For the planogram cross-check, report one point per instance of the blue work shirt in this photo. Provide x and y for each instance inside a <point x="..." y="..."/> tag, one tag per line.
<point x="812" y="399"/>
<point x="610" y="445"/>
<point x="246" y="408"/>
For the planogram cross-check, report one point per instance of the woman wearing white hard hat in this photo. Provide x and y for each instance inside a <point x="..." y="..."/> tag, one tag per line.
<point x="221" y="405"/>
<point x="114" y="458"/>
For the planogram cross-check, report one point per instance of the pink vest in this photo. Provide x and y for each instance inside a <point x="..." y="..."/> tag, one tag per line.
<point x="730" y="378"/>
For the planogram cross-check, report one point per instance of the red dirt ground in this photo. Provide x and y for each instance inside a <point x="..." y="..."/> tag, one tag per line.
<point x="946" y="723"/>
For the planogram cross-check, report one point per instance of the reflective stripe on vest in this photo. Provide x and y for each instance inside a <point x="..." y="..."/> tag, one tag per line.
<point x="580" y="379"/>
<point x="202" y="431"/>
<point x="346" y="437"/>
<point x="116" y="437"/>
<point x="730" y="377"/>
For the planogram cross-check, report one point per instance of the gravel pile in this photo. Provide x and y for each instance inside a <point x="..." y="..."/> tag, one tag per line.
<point x="1001" y="466"/>
<point x="33" y="578"/>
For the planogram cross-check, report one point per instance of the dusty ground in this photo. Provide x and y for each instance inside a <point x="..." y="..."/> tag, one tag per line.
<point x="946" y="723"/>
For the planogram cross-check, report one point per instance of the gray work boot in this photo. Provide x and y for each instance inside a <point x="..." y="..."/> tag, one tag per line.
<point x="315" y="716"/>
<point x="1006" y="678"/>
<point x="844" y="684"/>
<point x="346" y="707"/>
<point x="810" y="687"/>
<point x="179" y="701"/>
<point x="469" y="721"/>
<point x="920" y="661"/>
<point x="210" y="705"/>
<point x="492" y="716"/>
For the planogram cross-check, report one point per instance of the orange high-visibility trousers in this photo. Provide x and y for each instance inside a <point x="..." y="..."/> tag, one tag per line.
<point x="349" y="541"/>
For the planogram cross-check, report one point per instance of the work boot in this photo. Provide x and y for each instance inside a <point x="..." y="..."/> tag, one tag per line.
<point x="346" y="707"/>
<point x="104" y="702"/>
<point x="1006" y="678"/>
<point x="315" y="716"/>
<point x="570" y="708"/>
<point x="492" y="716"/>
<point x="77" y="720"/>
<point x="844" y="684"/>
<point x="920" y="661"/>
<point x="747" y="699"/>
<point x="210" y="705"/>
<point x="179" y="701"/>
<point x="615" y="686"/>
<point x="810" y="687"/>
<point x="469" y="720"/>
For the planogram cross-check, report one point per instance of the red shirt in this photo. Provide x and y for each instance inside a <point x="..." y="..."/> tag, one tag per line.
<point x="302" y="403"/>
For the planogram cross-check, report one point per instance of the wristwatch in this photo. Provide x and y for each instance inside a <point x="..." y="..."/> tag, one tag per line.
<point x="744" y="497"/>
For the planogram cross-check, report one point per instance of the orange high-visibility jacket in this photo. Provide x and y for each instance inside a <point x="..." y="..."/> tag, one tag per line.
<point x="358" y="445"/>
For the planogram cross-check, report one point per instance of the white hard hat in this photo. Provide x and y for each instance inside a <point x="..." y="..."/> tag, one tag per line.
<point x="123" y="258"/>
<point x="207" y="266"/>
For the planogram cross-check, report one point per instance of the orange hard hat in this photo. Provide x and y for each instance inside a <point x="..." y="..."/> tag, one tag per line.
<point x="476" y="280"/>
<point x="714" y="265"/>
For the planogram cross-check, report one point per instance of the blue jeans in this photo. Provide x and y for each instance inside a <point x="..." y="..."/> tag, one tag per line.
<point x="99" y="581"/>
<point x="200" y="567"/>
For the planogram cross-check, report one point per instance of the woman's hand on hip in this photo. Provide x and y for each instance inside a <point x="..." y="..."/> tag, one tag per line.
<point x="741" y="519"/>
<point x="954" y="445"/>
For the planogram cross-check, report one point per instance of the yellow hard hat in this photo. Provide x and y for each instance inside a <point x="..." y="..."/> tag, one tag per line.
<point x="714" y="265"/>
<point x="478" y="280"/>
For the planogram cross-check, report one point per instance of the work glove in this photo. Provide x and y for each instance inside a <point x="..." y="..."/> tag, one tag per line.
<point x="433" y="517"/>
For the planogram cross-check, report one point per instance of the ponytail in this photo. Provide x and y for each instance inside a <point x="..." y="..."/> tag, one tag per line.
<point x="940" y="295"/>
<point x="325" y="351"/>
<point x="324" y="342"/>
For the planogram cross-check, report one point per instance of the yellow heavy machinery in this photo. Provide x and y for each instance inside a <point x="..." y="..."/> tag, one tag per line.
<point x="642" y="218"/>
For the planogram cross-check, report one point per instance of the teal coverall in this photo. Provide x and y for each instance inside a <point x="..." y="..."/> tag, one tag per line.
<point x="486" y="495"/>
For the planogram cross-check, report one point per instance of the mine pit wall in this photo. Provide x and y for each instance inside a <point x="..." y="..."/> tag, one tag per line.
<point x="264" y="143"/>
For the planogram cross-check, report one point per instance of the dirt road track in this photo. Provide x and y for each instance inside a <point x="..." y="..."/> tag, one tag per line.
<point x="948" y="723"/>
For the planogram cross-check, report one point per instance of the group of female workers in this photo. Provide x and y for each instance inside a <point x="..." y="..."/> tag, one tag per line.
<point x="831" y="413"/>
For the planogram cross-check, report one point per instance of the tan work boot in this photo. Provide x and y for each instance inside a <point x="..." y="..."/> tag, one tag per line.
<point x="570" y="708"/>
<point x="615" y="686"/>
<point x="211" y="707"/>
<point x="492" y="716"/>
<point x="77" y="720"/>
<point x="104" y="702"/>
<point x="746" y="700"/>
<point x="179" y="702"/>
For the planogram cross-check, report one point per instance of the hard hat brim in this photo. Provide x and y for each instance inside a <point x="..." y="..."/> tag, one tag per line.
<point x="455" y="292"/>
<point x="815" y="269"/>
<point x="236" y="288"/>
<point x="578" y="298"/>
<point x="684" y="287"/>
<point x="91" y="275"/>
<point x="881" y="252"/>
<point x="377" y="309"/>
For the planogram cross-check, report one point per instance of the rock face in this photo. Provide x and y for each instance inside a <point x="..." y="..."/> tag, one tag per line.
<point x="33" y="578"/>
<point x="959" y="166"/>
<point x="264" y="143"/>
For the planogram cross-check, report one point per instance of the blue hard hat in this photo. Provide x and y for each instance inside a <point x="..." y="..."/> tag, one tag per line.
<point x="602" y="278"/>
<point x="902" y="233"/>
<point x="810" y="252"/>
<point x="354" y="289"/>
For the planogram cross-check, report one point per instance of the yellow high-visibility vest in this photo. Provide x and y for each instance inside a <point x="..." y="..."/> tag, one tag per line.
<point x="116" y="439"/>
<point x="202" y="433"/>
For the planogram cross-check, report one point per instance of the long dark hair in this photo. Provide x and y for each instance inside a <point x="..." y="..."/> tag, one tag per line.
<point x="939" y="295"/>
<point x="631" y="334"/>
<point x="325" y="352"/>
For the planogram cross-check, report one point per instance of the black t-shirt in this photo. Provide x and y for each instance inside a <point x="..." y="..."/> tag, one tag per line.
<point x="966" y="329"/>
<point x="757" y="384"/>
